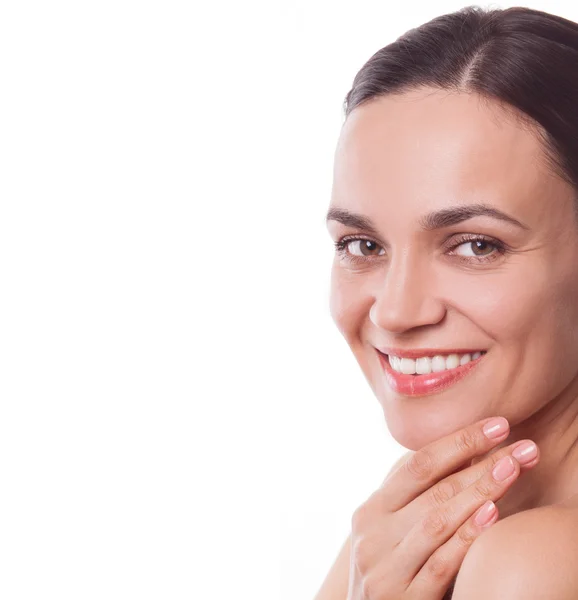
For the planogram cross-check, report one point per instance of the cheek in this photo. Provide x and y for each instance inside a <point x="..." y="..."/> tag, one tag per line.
<point x="349" y="304"/>
<point x="535" y="316"/>
<point x="500" y="307"/>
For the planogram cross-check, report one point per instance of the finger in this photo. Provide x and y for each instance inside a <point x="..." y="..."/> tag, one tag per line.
<point x="524" y="465"/>
<point x="443" y="491"/>
<point x="435" y="461"/>
<point x="438" y="525"/>
<point x="444" y="564"/>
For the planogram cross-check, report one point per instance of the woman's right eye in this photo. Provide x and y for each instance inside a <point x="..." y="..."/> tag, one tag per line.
<point x="356" y="248"/>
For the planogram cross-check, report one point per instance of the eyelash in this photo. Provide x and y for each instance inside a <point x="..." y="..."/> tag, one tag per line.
<point x="341" y="248"/>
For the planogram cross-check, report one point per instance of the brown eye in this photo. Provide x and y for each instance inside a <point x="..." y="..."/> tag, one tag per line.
<point x="478" y="248"/>
<point x="364" y="247"/>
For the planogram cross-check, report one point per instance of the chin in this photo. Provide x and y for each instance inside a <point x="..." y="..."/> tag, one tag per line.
<point x="415" y="423"/>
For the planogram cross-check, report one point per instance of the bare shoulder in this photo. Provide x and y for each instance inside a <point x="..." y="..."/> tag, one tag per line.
<point x="530" y="555"/>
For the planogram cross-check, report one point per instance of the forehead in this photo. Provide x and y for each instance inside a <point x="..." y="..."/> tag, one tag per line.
<point x="432" y="149"/>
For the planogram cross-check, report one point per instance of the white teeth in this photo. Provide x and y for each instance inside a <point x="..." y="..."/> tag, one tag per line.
<point x="423" y="366"/>
<point x="427" y="364"/>
<point x="438" y="364"/>
<point x="452" y="361"/>
<point x="408" y="366"/>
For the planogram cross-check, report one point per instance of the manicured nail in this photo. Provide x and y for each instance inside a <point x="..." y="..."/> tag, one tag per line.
<point x="485" y="514"/>
<point x="496" y="428"/>
<point x="525" y="452"/>
<point x="503" y="469"/>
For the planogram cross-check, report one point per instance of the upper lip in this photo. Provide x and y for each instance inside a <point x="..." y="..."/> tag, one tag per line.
<point x="419" y="353"/>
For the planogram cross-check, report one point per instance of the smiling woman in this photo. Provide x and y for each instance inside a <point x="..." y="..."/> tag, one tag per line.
<point x="455" y="284"/>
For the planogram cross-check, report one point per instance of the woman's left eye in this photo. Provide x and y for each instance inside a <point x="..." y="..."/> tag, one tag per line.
<point x="477" y="249"/>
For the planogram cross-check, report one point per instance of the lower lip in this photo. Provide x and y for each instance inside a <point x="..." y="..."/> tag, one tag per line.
<point x="422" y="385"/>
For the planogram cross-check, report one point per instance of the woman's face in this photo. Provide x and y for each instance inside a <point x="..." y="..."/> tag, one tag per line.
<point x="414" y="284"/>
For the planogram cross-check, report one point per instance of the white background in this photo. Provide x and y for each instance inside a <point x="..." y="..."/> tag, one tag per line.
<point x="179" y="417"/>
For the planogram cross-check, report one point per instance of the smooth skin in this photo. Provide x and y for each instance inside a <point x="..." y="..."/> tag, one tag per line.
<point x="513" y="294"/>
<point x="410" y="537"/>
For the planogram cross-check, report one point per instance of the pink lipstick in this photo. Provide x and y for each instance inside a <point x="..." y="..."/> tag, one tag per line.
<point x="423" y="385"/>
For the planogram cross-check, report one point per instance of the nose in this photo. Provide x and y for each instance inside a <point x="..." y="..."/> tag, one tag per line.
<point x="408" y="297"/>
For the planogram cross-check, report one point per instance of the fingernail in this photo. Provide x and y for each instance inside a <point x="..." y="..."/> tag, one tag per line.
<point x="485" y="514"/>
<point x="525" y="452"/>
<point x="503" y="469"/>
<point x="496" y="428"/>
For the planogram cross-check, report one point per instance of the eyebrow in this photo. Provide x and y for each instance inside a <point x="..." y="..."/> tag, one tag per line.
<point x="430" y="222"/>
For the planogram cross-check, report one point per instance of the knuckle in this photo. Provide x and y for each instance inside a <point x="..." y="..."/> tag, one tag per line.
<point x="483" y="490"/>
<point x="466" y="535"/>
<point x="466" y="442"/>
<point x="359" y="517"/>
<point x="370" y="588"/>
<point x="420" y="465"/>
<point x="361" y="556"/>
<point x="438" y="568"/>
<point x="435" y="524"/>
<point x="442" y="492"/>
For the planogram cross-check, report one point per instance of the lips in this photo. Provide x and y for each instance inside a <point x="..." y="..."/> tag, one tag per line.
<point x="423" y="385"/>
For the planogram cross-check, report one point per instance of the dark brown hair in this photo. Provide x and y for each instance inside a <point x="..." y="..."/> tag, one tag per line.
<point x="524" y="59"/>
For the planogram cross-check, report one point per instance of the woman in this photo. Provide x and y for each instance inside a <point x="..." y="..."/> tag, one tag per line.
<point x="455" y="283"/>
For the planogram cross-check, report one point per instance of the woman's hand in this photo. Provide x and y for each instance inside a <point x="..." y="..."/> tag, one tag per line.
<point x="408" y="540"/>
